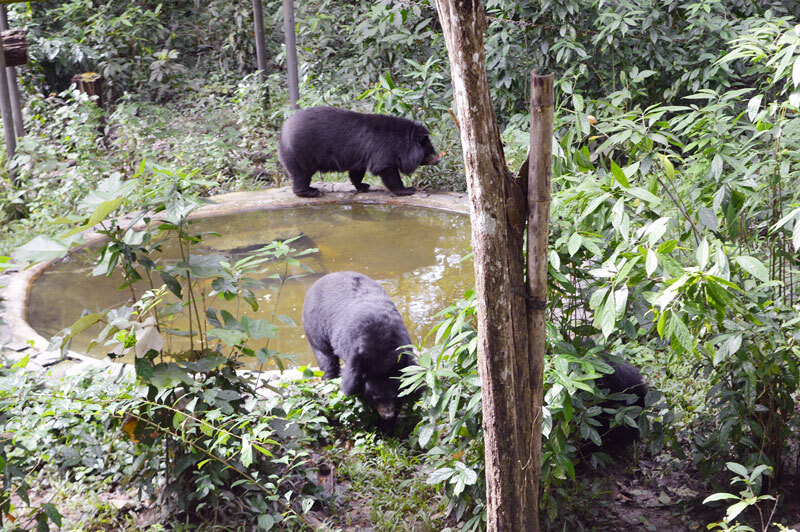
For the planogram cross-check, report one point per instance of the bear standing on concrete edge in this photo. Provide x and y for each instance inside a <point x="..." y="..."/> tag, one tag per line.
<point x="348" y="316"/>
<point x="326" y="139"/>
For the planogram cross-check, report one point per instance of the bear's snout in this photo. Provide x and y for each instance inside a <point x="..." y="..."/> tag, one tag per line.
<point x="431" y="159"/>
<point x="386" y="410"/>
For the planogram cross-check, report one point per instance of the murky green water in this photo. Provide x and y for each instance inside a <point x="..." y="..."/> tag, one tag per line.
<point x="414" y="253"/>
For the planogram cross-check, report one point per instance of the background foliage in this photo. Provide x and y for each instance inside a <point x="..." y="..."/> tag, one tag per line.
<point x="675" y="216"/>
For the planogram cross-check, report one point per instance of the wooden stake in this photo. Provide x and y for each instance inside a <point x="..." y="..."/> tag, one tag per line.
<point x="258" y="27"/>
<point x="540" y="171"/>
<point x="261" y="51"/>
<point x="291" y="52"/>
<point x="16" y="107"/>
<point x="5" y="108"/>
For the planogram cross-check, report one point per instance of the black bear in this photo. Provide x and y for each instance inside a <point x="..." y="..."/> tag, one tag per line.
<point x="348" y="316"/>
<point x="623" y="387"/>
<point x="626" y="379"/>
<point x="326" y="139"/>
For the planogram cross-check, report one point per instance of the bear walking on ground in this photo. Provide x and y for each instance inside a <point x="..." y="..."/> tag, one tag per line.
<point x="348" y="316"/>
<point x="623" y="387"/>
<point x="326" y="139"/>
<point x="626" y="379"/>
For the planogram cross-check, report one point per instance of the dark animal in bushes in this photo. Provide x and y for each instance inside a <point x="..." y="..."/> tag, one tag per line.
<point x="626" y="379"/>
<point x="349" y="317"/>
<point x="326" y="139"/>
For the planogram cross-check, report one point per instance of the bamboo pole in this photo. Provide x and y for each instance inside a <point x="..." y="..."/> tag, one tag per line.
<point x="540" y="172"/>
<point x="16" y="108"/>
<point x="291" y="52"/>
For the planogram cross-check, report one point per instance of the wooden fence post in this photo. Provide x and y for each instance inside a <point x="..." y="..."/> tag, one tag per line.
<point x="291" y="52"/>
<point x="5" y="109"/>
<point x="16" y="107"/>
<point x="261" y="51"/>
<point x="540" y="172"/>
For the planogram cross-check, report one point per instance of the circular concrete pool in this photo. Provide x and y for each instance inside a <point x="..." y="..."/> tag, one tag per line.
<point x="414" y="252"/>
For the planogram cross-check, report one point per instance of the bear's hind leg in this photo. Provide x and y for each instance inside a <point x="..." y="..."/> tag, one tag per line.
<point x="301" y="186"/>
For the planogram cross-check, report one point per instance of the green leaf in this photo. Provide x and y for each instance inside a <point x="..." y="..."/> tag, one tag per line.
<point x="719" y="497"/>
<point x="577" y="103"/>
<point x="41" y="248"/>
<point x="266" y="522"/>
<point x="667" y="165"/>
<point x="605" y="317"/>
<point x="425" y="434"/>
<point x="172" y="283"/>
<point x="592" y="206"/>
<point x="258" y="328"/>
<point x="440" y="475"/>
<point x="574" y="243"/>
<point x="52" y="513"/>
<point x="85" y="322"/>
<point x="753" y="107"/>
<point x="651" y="262"/>
<point x="619" y="175"/>
<point x="735" y="509"/>
<point x="247" y="452"/>
<point x="681" y="333"/>
<point x="97" y="216"/>
<point x="307" y="504"/>
<point x="656" y="230"/>
<point x="229" y="337"/>
<point x="662" y="321"/>
<point x="753" y="266"/>
<point x="739" y="469"/>
<point x="796" y="237"/>
<point x="177" y="419"/>
<point x="168" y="376"/>
<point x="21" y="363"/>
<point x="702" y="254"/>
<point x="796" y="72"/>
<point x="262" y="450"/>
<point x="644" y="195"/>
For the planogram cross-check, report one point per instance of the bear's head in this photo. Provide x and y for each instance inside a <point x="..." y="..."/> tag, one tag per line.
<point x="382" y="394"/>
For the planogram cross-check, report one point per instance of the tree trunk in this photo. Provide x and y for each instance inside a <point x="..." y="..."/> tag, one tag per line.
<point x="498" y="212"/>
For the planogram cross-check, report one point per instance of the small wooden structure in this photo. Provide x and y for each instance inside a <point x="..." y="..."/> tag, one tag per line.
<point x="90" y="83"/>
<point x="15" y="46"/>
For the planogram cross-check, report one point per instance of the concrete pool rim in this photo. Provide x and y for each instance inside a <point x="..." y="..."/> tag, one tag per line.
<point x="26" y="340"/>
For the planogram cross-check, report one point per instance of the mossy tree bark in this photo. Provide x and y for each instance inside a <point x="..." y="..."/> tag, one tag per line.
<point x="498" y="208"/>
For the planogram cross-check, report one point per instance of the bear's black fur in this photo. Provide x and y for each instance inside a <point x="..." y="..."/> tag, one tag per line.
<point x="626" y="379"/>
<point x="326" y="139"/>
<point x="348" y="316"/>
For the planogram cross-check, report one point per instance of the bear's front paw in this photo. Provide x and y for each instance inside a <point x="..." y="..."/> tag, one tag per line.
<point x="362" y="187"/>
